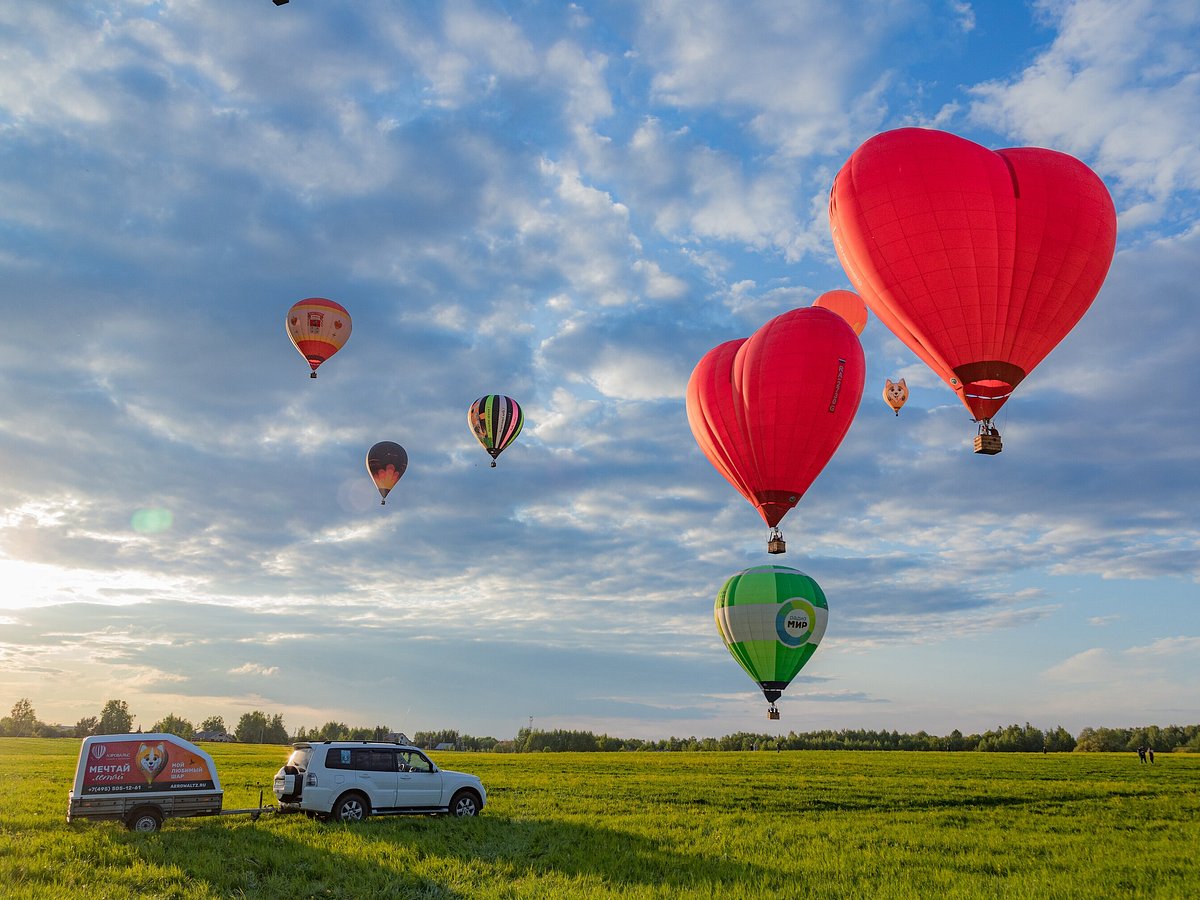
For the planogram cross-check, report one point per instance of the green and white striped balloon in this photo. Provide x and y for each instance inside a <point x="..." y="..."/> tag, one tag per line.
<point x="771" y="618"/>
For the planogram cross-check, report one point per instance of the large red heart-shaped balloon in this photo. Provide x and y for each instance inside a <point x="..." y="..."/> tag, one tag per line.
<point x="769" y="411"/>
<point x="980" y="261"/>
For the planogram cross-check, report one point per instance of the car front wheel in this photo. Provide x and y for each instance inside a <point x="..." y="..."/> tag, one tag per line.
<point x="350" y="808"/>
<point x="464" y="803"/>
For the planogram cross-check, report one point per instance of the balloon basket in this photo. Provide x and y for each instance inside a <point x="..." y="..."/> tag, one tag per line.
<point x="987" y="441"/>
<point x="772" y="713"/>
<point x="775" y="542"/>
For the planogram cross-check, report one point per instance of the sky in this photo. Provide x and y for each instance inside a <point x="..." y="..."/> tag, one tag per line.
<point x="568" y="203"/>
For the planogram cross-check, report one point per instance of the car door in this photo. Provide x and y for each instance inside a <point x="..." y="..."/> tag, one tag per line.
<point x="376" y="774"/>
<point x="420" y="784"/>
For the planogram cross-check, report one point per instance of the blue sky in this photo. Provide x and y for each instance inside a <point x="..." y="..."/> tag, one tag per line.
<point x="569" y="204"/>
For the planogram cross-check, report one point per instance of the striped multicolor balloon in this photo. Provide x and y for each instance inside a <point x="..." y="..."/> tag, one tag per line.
<point x="495" y="421"/>
<point x="771" y="618"/>
<point x="318" y="327"/>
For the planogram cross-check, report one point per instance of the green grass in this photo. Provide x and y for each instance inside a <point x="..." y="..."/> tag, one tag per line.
<point x="664" y="825"/>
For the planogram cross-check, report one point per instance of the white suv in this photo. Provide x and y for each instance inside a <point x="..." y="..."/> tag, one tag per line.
<point x="349" y="780"/>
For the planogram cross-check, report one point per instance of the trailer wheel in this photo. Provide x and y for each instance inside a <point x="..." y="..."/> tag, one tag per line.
<point x="144" y="818"/>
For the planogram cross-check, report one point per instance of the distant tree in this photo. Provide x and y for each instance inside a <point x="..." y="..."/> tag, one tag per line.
<point x="115" y="718"/>
<point x="21" y="722"/>
<point x="367" y="733"/>
<point x="1059" y="741"/>
<point x="430" y="739"/>
<point x="256" y="728"/>
<point x="331" y="731"/>
<point x="1103" y="740"/>
<point x="213" y="723"/>
<point x="172" y="724"/>
<point x="1013" y="739"/>
<point x="251" y="728"/>
<point x="86" y="726"/>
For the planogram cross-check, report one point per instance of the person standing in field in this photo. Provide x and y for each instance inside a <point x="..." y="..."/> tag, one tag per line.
<point x="1141" y="754"/>
<point x="1150" y="751"/>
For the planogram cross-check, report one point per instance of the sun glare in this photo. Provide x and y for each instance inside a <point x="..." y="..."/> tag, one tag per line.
<point x="25" y="585"/>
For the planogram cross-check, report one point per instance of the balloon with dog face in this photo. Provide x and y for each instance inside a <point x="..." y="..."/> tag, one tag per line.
<point x="979" y="261"/>
<point x="318" y="328"/>
<point x="771" y="619"/>
<point x="895" y="394"/>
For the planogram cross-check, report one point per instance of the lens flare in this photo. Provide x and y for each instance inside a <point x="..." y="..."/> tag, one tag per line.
<point x="151" y="521"/>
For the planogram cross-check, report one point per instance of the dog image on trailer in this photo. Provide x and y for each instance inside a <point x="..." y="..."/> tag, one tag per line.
<point x="142" y="779"/>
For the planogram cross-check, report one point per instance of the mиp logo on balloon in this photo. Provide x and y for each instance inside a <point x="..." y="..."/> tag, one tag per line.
<point x="795" y="622"/>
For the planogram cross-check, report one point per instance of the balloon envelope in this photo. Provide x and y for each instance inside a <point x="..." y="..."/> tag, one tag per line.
<point x="318" y="329"/>
<point x="771" y="619"/>
<point x="386" y="462"/>
<point x="895" y="394"/>
<point x="846" y="304"/>
<point x="495" y="420"/>
<point x="979" y="261"/>
<point x="714" y="419"/>
<point x="770" y="411"/>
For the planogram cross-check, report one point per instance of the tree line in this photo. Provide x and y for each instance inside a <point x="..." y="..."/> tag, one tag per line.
<point x="258" y="727"/>
<point x="115" y="718"/>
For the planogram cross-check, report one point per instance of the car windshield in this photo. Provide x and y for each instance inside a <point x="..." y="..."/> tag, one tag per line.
<point x="299" y="758"/>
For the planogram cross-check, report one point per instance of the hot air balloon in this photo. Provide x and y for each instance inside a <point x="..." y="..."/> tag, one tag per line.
<point x="771" y="619"/>
<point x="496" y="421"/>
<point x="895" y="394"/>
<point x="318" y="327"/>
<point x="980" y="261"/>
<point x="846" y="304"/>
<point x="386" y="462"/>
<point x="769" y="411"/>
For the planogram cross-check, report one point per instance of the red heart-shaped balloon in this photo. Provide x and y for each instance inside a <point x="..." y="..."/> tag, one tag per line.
<point x="980" y="261"/>
<point x="770" y="411"/>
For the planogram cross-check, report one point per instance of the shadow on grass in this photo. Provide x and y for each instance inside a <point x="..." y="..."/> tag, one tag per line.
<point x="427" y="857"/>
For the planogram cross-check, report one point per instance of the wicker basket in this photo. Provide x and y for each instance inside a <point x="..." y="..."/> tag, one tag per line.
<point x="776" y="545"/>
<point x="988" y="444"/>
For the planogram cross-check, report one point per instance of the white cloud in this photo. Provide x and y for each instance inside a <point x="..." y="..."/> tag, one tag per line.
<point x="1142" y="664"/>
<point x="794" y="69"/>
<point x="1118" y="86"/>
<point x="252" y="668"/>
<point x="636" y="375"/>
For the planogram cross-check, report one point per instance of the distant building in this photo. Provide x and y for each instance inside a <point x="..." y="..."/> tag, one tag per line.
<point x="444" y="745"/>
<point x="218" y="736"/>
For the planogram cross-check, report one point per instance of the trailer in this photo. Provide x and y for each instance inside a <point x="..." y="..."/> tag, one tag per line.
<point x="144" y="779"/>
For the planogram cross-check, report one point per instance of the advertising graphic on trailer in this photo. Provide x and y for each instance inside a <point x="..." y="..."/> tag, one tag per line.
<point x="144" y="765"/>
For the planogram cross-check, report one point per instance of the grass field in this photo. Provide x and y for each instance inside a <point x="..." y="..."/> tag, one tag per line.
<point x="728" y="825"/>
